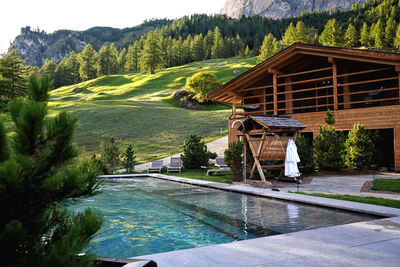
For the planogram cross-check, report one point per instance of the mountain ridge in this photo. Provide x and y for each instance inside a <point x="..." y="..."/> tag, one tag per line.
<point x="278" y="9"/>
<point x="35" y="46"/>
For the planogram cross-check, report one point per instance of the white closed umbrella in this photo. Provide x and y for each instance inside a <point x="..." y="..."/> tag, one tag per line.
<point x="291" y="160"/>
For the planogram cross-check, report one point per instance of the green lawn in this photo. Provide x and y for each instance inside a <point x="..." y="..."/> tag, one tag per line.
<point x="392" y="185"/>
<point x="136" y="108"/>
<point x="368" y="200"/>
<point x="200" y="174"/>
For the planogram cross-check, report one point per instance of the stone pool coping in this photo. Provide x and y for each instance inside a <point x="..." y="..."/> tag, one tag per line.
<point x="368" y="243"/>
<point x="312" y="200"/>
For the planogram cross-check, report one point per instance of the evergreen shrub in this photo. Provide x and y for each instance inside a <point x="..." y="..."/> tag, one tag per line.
<point x="195" y="153"/>
<point x="358" y="147"/>
<point x="36" y="179"/>
<point x="306" y="153"/>
<point x="233" y="157"/>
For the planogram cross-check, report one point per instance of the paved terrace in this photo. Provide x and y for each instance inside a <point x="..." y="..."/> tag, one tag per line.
<point x="369" y="243"/>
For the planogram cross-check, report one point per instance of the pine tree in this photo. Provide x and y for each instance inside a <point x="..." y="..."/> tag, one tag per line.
<point x="208" y="44"/>
<point x="13" y="80"/>
<point x="332" y="34"/>
<point x="379" y="35"/>
<point x="151" y="56"/>
<point x="269" y="47"/>
<point x="256" y="47"/>
<point x="306" y="153"/>
<point x="302" y="34"/>
<point x="35" y="181"/>
<point x="372" y="34"/>
<point x="129" y="159"/>
<point x="60" y="76"/>
<point x="329" y="146"/>
<point x="195" y="153"/>
<point x="49" y="68"/>
<point x="390" y="31"/>
<point x="197" y="48"/>
<point x="122" y="60"/>
<point x="108" y="60"/>
<point x="217" y="49"/>
<point x="396" y="40"/>
<point x="290" y="35"/>
<point x="110" y="155"/>
<point x="358" y="147"/>
<point x="72" y="68"/>
<point x="350" y="37"/>
<point x="247" y="51"/>
<point x="89" y="65"/>
<point x="364" y="34"/>
<point x="177" y="52"/>
<point x="187" y="56"/>
<point x="132" y="57"/>
<point x="239" y="46"/>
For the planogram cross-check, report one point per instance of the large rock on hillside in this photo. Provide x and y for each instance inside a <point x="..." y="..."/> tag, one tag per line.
<point x="277" y="9"/>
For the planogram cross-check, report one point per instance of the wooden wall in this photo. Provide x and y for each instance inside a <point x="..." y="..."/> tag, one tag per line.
<point x="385" y="117"/>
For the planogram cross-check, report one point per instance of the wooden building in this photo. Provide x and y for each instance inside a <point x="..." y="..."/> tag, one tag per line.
<point x="304" y="81"/>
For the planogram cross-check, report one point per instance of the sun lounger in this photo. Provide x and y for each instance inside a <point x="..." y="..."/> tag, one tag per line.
<point x="156" y="166"/>
<point x="220" y="163"/>
<point x="175" y="166"/>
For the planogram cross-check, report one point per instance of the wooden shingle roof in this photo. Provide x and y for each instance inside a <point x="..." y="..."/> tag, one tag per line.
<point x="274" y="122"/>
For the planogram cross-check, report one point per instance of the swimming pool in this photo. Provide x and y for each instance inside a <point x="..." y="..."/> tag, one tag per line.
<point x="147" y="215"/>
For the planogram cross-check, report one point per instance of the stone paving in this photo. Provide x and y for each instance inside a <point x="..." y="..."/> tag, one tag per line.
<point x="350" y="185"/>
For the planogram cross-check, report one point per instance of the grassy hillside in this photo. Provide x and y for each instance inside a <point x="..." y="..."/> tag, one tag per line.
<point x="136" y="108"/>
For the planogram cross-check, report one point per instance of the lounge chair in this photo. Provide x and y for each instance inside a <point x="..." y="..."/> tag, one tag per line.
<point x="176" y="165"/>
<point x="220" y="163"/>
<point x="156" y="166"/>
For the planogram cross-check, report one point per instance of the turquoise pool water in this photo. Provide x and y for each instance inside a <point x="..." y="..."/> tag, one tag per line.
<point x="146" y="215"/>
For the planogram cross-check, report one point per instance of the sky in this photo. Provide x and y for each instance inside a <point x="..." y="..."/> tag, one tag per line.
<point x="52" y="15"/>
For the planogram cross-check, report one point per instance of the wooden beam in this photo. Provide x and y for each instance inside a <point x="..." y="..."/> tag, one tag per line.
<point x="370" y="81"/>
<point x="303" y="72"/>
<point x="305" y="98"/>
<point x="256" y="161"/>
<point x="275" y="88"/>
<point x="350" y="57"/>
<point x="307" y="81"/>
<point x="361" y="72"/>
<point x="255" y="88"/>
<point x="274" y="71"/>
<point x="373" y="100"/>
<point x="367" y="91"/>
<point x="334" y="79"/>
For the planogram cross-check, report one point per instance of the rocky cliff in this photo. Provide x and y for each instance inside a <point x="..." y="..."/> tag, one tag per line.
<point x="35" y="46"/>
<point x="277" y="9"/>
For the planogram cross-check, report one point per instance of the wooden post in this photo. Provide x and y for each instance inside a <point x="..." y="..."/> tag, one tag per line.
<point x="234" y="107"/>
<point x="275" y="93"/>
<point x="334" y="78"/>
<point x="346" y="88"/>
<point x="288" y="96"/>
<point x="396" y="143"/>
<point x="397" y="68"/>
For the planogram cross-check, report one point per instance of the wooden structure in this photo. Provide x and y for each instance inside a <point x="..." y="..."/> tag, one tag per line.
<point x="304" y="81"/>
<point x="268" y="137"/>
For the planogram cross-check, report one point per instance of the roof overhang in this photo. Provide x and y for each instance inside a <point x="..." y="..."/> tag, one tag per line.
<point x="273" y="64"/>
